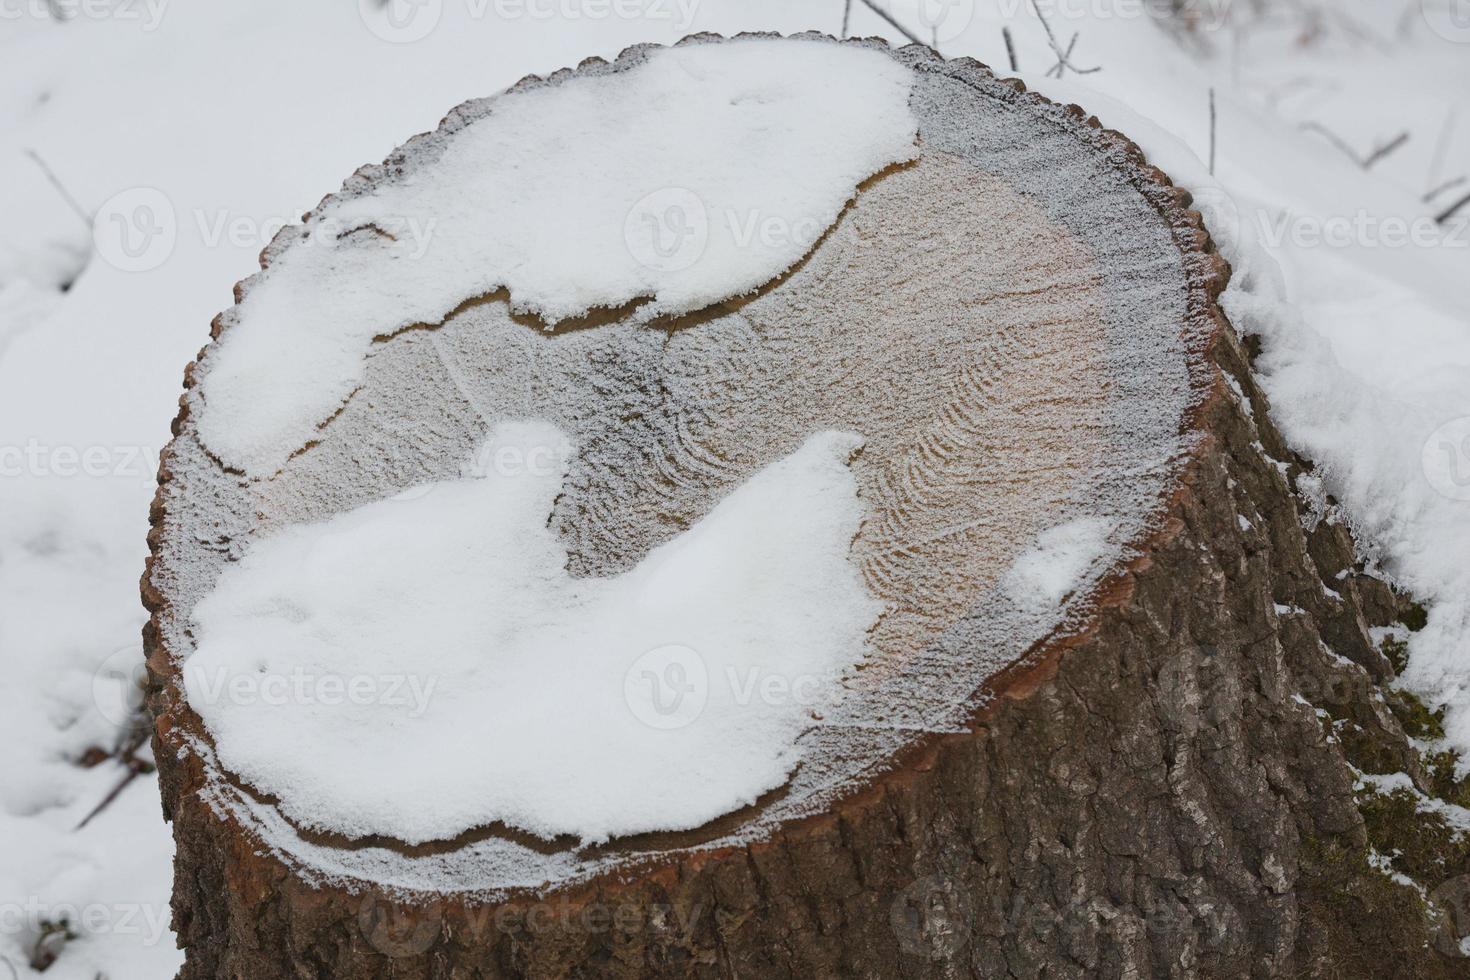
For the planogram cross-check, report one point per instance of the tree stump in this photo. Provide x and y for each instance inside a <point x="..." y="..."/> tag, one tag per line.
<point x="1028" y="775"/>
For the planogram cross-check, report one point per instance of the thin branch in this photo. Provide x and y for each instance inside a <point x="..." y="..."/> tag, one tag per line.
<point x="1386" y="149"/>
<point x="127" y="753"/>
<point x="1377" y="154"/>
<point x="1450" y="211"/>
<point x="136" y="768"/>
<point x="1063" y="61"/>
<point x="1450" y="184"/>
<point x="895" y="24"/>
<point x="1334" y="139"/>
<point x="1212" y="131"/>
<point x="1005" y="32"/>
<point x="1071" y="46"/>
<point x="1436" y="160"/>
<point x="846" y="15"/>
<point x="55" y="182"/>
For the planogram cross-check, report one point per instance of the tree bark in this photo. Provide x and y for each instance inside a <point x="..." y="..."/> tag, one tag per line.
<point x="1169" y="790"/>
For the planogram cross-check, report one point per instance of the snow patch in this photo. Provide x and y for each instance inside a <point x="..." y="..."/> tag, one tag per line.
<point x="1058" y="564"/>
<point x="588" y="192"/>
<point x="446" y="620"/>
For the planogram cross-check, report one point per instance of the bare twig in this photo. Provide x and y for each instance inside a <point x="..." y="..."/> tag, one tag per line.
<point x="1373" y="157"/>
<point x="1212" y="131"/>
<point x="1334" y="139"/>
<point x="846" y="15"/>
<point x="1450" y="211"/>
<point x="1441" y="144"/>
<point x="127" y="754"/>
<point x="1005" y="32"/>
<point x="1385" y="149"/>
<point x="1450" y="184"/>
<point x="895" y="24"/>
<point x="1071" y="46"/>
<point x="136" y="768"/>
<point x="1063" y="59"/>
<point x="55" y="182"/>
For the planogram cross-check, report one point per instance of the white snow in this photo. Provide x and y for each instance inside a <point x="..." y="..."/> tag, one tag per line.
<point x="700" y="174"/>
<point x="1058" y="563"/>
<point x="248" y="115"/>
<point x="443" y="621"/>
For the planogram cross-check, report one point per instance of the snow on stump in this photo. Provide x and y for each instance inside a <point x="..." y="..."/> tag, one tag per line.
<point x="762" y="507"/>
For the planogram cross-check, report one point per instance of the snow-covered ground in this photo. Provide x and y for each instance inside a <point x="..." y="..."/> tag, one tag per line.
<point x="183" y="134"/>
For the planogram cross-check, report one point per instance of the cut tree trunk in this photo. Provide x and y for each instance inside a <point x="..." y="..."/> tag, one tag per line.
<point x="1145" y="788"/>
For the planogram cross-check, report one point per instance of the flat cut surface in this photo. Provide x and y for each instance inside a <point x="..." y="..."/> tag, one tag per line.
<point x="1005" y="323"/>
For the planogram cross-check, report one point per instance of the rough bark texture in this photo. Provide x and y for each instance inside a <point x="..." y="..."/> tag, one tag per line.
<point x="1171" y="793"/>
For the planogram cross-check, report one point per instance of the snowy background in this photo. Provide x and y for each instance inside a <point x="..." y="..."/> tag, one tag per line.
<point x="150" y="148"/>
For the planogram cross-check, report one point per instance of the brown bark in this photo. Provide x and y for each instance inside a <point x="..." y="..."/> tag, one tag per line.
<point x="1154" y="795"/>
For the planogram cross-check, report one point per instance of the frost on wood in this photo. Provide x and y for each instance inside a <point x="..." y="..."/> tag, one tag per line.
<point x="542" y="194"/>
<point x="1008" y="323"/>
